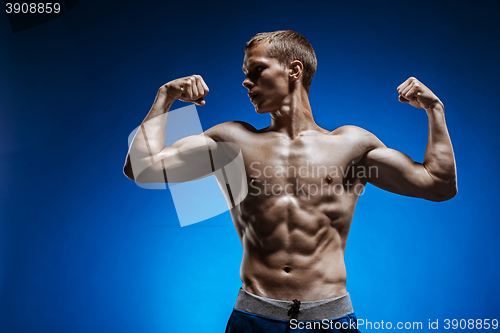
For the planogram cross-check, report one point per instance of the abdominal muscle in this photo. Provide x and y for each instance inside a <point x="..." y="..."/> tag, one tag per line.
<point x="292" y="248"/>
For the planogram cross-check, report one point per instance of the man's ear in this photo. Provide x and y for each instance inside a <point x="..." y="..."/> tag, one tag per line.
<point x="296" y="69"/>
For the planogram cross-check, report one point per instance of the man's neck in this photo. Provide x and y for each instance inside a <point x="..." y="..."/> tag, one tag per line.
<point x="294" y="116"/>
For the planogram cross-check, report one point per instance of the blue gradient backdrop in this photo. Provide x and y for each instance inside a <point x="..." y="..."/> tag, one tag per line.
<point x="83" y="249"/>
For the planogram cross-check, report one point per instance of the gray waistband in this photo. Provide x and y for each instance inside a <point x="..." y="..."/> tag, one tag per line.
<point x="316" y="310"/>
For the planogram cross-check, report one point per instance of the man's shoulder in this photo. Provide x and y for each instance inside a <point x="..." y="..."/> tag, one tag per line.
<point x="357" y="136"/>
<point x="230" y="131"/>
<point x="350" y="130"/>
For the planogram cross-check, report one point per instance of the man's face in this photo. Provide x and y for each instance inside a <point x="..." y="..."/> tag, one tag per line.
<point x="266" y="79"/>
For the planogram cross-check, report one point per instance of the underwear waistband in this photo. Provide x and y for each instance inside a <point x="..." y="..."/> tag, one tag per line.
<point x="316" y="310"/>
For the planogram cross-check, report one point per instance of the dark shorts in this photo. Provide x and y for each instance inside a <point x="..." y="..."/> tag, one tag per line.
<point x="256" y="314"/>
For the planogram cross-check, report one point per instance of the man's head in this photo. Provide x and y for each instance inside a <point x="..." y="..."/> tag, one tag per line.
<point x="287" y="46"/>
<point x="272" y="61"/>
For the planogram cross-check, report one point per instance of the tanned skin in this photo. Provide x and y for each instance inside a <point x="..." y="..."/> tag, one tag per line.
<point x="293" y="240"/>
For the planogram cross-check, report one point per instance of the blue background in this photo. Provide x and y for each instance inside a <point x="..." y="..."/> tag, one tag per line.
<point x="83" y="249"/>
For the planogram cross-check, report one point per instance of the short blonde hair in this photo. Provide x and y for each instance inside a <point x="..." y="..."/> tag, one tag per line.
<point x="287" y="46"/>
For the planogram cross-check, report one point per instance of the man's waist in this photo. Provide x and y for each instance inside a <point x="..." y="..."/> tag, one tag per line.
<point x="284" y="310"/>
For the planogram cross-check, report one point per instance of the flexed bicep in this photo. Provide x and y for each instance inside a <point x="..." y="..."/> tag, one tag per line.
<point x="435" y="178"/>
<point x="148" y="160"/>
<point x="188" y="159"/>
<point x="193" y="157"/>
<point x="396" y="172"/>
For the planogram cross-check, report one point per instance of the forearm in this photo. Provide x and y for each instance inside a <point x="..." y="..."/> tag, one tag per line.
<point x="435" y="178"/>
<point x="439" y="160"/>
<point x="148" y="156"/>
<point x="149" y="139"/>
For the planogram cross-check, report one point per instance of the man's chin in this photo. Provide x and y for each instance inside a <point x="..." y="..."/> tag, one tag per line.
<point x="261" y="110"/>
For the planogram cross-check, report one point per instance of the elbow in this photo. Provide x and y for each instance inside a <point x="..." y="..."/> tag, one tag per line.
<point x="128" y="174"/>
<point x="445" y="191"/>
<point x="127" y="169"/>
<point x="445" y="196"/>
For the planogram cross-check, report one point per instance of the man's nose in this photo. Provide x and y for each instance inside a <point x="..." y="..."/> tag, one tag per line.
<point x="247" y="83"/>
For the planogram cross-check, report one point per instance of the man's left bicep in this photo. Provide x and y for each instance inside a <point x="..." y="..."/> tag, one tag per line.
<point x="396" y="172"/>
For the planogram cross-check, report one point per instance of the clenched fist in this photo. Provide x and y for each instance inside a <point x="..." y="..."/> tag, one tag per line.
<point x="188" y="89"/>
<point x="415" y="93"/>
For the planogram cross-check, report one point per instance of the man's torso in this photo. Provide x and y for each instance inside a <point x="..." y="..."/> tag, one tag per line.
<point x="294" y="222"/>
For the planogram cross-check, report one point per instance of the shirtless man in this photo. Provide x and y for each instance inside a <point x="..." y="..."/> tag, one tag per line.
<point x="294" y="238"/>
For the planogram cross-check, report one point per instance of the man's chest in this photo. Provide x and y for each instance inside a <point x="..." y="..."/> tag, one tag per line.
<point x="311" y="159"/>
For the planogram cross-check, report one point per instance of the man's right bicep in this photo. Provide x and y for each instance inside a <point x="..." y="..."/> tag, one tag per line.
<point x="188" y="159"/>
